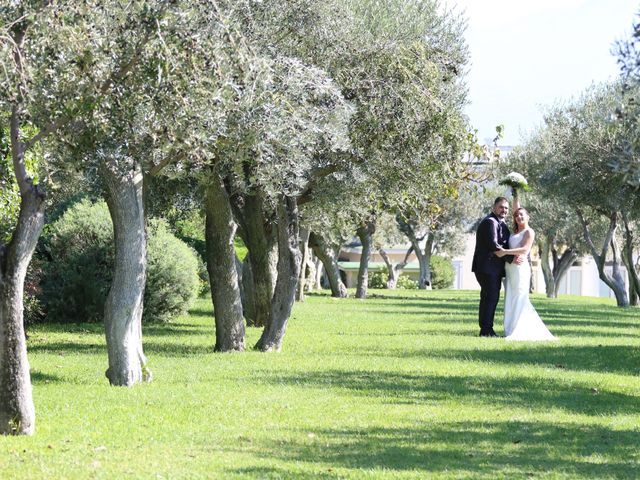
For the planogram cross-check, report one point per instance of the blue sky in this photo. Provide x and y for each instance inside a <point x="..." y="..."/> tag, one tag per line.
<point x="526" y="54"/>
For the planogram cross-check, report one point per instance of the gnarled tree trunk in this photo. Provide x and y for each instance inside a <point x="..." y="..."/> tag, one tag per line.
<point x="248" y="292"/>
<point x="289" y="257"/>
<point x="123" y="307"/>
<point x="423" y="256"/>
<point x="553" y="273"/>
<point x="304" y="247"/>
<point x="221" y="264"/>
<point x="614" y="281"/>
<point x="365" y="233"/>
<point x="17" y="411"/>
<point x="327" y="256"/>
<point x="392" y="271"/>
<point x="424" y="261"/>
<point x="257" y="233"/>
<point x="627" y="257"/>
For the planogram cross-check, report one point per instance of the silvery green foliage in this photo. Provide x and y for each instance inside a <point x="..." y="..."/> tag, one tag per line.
<point x="74" y="53"/>
<point x="288" y="121"/>
<point x="568" y="162"/>
<point x="627" y="113"/>
<point x="83" y="78"/>
<point x="578" y="144"/>
<point x="400" y="63"/>
<point x="550" y="216"/>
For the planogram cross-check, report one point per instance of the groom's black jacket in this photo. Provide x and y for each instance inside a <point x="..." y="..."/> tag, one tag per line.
<point x="491" y="233"/>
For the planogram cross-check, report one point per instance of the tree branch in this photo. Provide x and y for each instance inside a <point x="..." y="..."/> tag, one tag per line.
<point x="166" y="161"/>
<point x="307" y="193"/>
<point x="115" y="77"/>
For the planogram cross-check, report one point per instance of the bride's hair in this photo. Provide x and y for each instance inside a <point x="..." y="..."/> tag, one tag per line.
<point x="515" y="212"/>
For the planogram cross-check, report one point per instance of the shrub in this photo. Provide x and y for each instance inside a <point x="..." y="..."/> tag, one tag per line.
<point x="404" y="282"/>
<point x="76" y="280"/>
<point x="172" y="274"/>
<point x="378" y="279"/>
<point x="442" y="273"/>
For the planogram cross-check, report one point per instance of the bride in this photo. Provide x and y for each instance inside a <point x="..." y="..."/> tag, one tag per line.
<point x="521" y="321"/>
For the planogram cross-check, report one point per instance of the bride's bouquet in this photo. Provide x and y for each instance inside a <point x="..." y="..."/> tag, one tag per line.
<point x="516" y="181"/>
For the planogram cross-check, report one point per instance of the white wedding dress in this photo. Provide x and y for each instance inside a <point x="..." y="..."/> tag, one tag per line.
<point x="521" y="321"/>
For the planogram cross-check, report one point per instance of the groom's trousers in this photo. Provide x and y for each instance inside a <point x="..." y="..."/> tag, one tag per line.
<point x="489" y="296"/>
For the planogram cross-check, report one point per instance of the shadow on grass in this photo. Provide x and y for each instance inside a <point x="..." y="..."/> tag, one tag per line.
<point x="514" y="449"/>
<point x="280" y="473"/>
<point x="201" y="312"/>
<point x="177" y="349"/>
<point x="169" y="349"/>
<point x="69" y="347"/>
<point x="175" y="330"/>
<point x="40" y="377"/>
<point x="621" y="359"/>
<point x="538" y="394"/>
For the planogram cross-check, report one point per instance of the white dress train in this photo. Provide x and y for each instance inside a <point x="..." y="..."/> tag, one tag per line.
<point x="521" y="321"/>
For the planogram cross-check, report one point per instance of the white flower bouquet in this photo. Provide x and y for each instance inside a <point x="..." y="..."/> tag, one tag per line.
<point x="516" y="181"/>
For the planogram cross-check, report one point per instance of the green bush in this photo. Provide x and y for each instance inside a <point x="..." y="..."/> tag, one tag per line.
<point x="405" y="283"/>
<point x="378" y="279"/>
<point x="442" y="273"/>
<point x="172" y="274"/>
<point x="76" y="279"/>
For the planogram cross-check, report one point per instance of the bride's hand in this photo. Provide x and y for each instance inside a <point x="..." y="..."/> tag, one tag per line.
<point x="500" y="252"/>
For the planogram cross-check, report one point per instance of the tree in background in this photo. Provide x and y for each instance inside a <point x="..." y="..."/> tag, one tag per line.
<point x="559" y="235"/>
<point x="400" y="64"/>
<point x="574" y="168"/>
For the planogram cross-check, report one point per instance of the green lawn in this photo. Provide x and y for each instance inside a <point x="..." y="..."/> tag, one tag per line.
<point x="397" y="386"/>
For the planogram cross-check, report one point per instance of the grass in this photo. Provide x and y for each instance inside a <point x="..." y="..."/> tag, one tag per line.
<point x="398" y="386"/>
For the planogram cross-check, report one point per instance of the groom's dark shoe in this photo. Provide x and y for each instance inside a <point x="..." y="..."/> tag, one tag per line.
<point x="489" y="334"/>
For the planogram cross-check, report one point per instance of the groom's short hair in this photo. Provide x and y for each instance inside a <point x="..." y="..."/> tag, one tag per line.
<point x="500" y="200"/>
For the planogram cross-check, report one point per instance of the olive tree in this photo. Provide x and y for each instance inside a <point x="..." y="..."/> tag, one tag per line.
<point x="559" y="234"/>
<point x="61" y="61"/>
<point x="575" y="169"/>
<point x="400" y="64"/>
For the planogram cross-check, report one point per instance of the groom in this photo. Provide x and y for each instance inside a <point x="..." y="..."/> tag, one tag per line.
<point x="489" y="269"/>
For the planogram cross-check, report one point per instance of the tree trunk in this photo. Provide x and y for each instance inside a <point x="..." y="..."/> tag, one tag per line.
<point x="289" y="257"/>
<point x="627" y="256"/>
<point x="365" y="233"/>
<point x="553" y="274"/>
<point x="248" y="293"/>
<point x="561" y="267"/>
<point x="17" y="411"/>
<point x="547" y="271"/>
<point x="123" y="307"/>
<point x="424" y="262"/>
<point x="319" y="266"/>
<point x="327" y="256"/>
<point x="622" y="297"/>
<point x="257" y="233"/>
<point x="614" y="281"/>
<point x="302" y="281"/>
<point x="221" y="264"/>
<point x="423" y="256"/>
<point x="392" y="272"/>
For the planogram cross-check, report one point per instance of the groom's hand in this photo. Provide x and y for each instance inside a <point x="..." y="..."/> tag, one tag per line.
<point x="518" y="259"/>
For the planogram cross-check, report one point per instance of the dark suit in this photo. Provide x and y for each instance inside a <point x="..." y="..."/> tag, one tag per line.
<point x="489" y="269"/>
